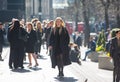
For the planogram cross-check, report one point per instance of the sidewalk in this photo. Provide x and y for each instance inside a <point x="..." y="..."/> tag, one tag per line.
<point x="44" y="73"/>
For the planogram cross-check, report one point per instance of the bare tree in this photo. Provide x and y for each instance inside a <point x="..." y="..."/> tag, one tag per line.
<point x="106" y="4"/>
<point x="86" y="20"/>
<point x="116" y="4"/>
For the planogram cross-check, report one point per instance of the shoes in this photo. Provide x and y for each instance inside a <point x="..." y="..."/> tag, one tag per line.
<point x="36" y="65"/>
<point x="79" y="62"/>
<point x="10" y="67"/>
<point x="22" y="67"/>
<point x="1" y="59"/>
<point x="60" y="74"/>
<point x="30" y="65"/>
<point x="84" y="60"/>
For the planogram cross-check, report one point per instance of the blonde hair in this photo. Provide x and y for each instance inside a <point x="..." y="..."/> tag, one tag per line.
<point x="38" y="22"/>
<point x="29" y="23"/>
<point x="34" y="19"/>
<point x="62" y="22"/>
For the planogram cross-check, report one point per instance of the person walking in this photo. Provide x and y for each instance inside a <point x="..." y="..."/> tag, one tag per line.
<point x="30" y="44"/>
<point x="39" y="33"/>
<point x="16" y="46"/>
<point x="59" y="44"/>
<point x="115" y="55"/>
<point x="2" y="33"/>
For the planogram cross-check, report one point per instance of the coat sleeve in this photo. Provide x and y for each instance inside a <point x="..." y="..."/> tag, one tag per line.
<point x="111" y="48"/>
<point x="51" y="39"/>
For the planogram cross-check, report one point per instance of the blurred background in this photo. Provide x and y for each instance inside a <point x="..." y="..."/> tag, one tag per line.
<point x="79" y="15"/>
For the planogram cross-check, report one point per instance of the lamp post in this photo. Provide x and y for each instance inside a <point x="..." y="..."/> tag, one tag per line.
<point x="33" y="8"/>
<point x="40" y="10"/>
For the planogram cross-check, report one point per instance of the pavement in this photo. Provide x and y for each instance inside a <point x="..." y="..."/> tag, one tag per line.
<point x="44" y="73"/>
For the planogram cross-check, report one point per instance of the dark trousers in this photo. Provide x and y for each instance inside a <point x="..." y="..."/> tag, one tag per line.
<point x="16" y="57"/>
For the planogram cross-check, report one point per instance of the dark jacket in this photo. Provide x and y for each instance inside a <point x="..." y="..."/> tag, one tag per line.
<point x="63" y="46"/>
<point x="78" y="41"/>
<point x="92" y="45"/>
<point x="2" y="33"/>
<point x="114" y="49"/>
<point x="16" y="47"/>
<point x="31" y="40"/>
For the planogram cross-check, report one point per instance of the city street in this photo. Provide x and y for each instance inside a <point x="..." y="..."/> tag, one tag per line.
<point x="44" y="73"/>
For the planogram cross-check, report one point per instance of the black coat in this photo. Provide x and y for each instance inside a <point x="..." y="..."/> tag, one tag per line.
<point x="63" y="46"/>
<point x="16" y="47"/>
<point x="2" y="33"/>
<point x="39" y="41"/>
<point x="114" y="50"/>
<point x="31" y="40"/>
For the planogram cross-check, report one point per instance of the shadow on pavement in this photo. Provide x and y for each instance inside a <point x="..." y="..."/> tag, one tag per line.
<point x="42" y="57"/>
<point x="66" y="79"/>
<point x="20" y="70"/>
<point x="36" y="68"/>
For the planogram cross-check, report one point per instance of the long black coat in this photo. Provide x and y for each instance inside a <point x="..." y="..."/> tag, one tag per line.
<point x="64" y="41"/>
<point x="16" y="47"/>
<point x="114" y="51"/>
<point x="115" y="54"/>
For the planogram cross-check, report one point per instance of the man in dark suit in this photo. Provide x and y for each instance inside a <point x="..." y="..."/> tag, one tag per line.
<point x="115" y="55"/>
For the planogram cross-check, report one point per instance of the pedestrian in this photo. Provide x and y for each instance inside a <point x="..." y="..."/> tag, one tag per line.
<point x="16" y="46"/>
<point x="30" y="44"/>
<point x="44" y="27"/>
<point x="2" y="33"/>
<point x="59" y="44"/>
<point x="9" y="40"/>
<point x="77" y="39"/>
<point x="91" y="47"/>
<point x="115" y="55"/>
<point x="47" y="35"/>
<point x="75" y="54"/>
<point x="39" y="33"/>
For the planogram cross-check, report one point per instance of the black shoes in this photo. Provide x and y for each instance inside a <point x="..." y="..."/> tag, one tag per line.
<point x="1" y="59"/>
<point x="84" y="60"/>
<point x="60" y="74"/>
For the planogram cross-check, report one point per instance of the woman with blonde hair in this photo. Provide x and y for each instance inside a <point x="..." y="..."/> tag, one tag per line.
<point x="58" y="43"/>
<point x="39" y="33"/>
<point x="30" y="44"/>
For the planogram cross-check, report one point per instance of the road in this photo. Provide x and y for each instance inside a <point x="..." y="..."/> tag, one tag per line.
<point x="44" y="73"/>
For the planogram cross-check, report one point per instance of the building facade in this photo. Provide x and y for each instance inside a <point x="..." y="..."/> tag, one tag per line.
<point x="11" y="9"/>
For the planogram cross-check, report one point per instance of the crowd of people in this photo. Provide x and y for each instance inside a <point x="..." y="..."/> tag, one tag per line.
<point x="25" y="40"/>
<point x="28" y="37"/>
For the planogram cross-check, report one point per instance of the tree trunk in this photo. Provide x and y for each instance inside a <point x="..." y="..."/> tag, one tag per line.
<point x="86" y="21"/>
<point x="118" y="17"/>
<point x="106" y="18"/>
<point x="76" y="21"/>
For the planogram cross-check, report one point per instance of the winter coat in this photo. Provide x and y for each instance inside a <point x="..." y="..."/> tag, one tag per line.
<point x="63" y="46"/>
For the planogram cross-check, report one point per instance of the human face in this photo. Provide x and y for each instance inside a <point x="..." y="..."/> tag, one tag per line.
<point x="0" y="26"/>
<point x="58" y="23"/>
<point x="38" y="25"/>
<point x="118" y="34"/>
<point x="29" y="27"/>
